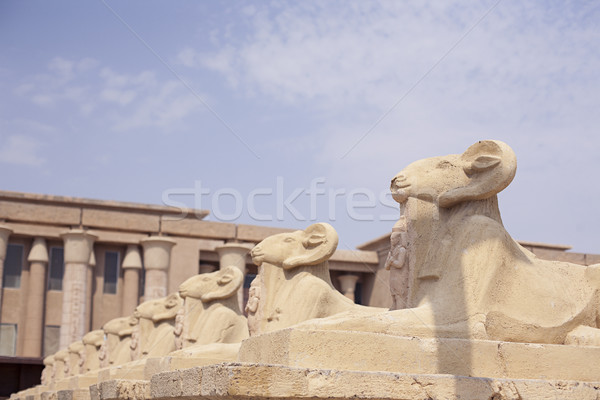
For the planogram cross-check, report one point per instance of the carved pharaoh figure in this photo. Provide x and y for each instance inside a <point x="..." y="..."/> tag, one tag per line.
<point x="467" y="278"/>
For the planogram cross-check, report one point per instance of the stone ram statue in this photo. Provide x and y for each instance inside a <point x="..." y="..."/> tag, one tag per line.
<point x="92" y="342"/>
<point x="212" y="313"/>
<point x="462" y="275"/>
<point x="293" y="283"/>
<point x="154" y="334"/>
<point x="118" y="340"/>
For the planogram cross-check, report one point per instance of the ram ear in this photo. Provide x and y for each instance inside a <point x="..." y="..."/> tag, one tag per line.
<point x="490" y="166"/>
<point x="319" y="242"/>
<point x="172" y="300"/>
<point x="227" y="283"/>
<point x="172" y="303"/>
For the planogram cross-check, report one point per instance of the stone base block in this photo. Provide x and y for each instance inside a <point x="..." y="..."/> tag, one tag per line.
<point x="254" y="381"/>
<point x="83" y="381"/>
<point x="131" y="370"/>
<point x="358" y="351"/>
<point x="120" y="389"/>
<point x="172" y="363"/>
<point x="49" y="395"/>
<point x="73" y="394"/>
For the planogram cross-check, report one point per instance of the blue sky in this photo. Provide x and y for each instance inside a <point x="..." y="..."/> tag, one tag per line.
<point x="149" y="101"/>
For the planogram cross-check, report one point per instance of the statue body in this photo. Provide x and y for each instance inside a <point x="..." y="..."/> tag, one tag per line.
<point x="463" y="276"/>
<point x="118" y="340"/>
<point x="212" y="310"/>
<point x="92" y="341"/>
<point x="154" y="335"/>
<point x="293" y="284"/>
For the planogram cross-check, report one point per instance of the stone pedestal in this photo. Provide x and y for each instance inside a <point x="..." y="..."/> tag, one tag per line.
<point x="348" y="284"/>
<point x="362" y="351"/>
<point x="76" y="293"/>
<point x="234" y="254"/>
<point x="132" y="265"/>
<point x="38" y="262"/>
<point x="5" y="232"/>
<point x="263" y="382"/>
<point x="157" y="258"/>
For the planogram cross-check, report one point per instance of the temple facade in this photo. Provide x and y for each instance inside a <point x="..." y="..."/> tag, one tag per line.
<point x="70" y="265"/>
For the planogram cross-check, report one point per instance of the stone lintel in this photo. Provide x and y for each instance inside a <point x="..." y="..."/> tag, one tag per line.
<point x="39" y="213"/>
<point x="355" y="256"/>
<point x="255" y="233"/>
<point x="196" y="228"/>
<point x="120" y="220"/>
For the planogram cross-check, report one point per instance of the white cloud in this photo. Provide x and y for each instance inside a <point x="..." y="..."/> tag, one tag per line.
<point x="121" y="97"/>
<point x="526" y="74"/>
<point x="337" y="55"/>
<point x="164" y="107"/>
<point x="187" y="57"/>
<point x="21" y="150"/>
<point x="43" y="99"/>
<point x="127" y="101"/>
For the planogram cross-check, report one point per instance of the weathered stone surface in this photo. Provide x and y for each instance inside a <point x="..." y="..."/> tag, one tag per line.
<point x="73" y="394"/>
<point x="211" y="311"/>
<point x="293" y="282"/>
<point x="39" y="213"/>
<point x="197" y="228"/>
<point x="121" y="389"/>
<point x="49" y="395"/>
<point x="548" y="254"/>
<point x="254" y="233"/>
<point x="175" y="384"/>
<point x="455" y="271"/>
<point x="256" y="381"/>
<point x="120" y="220"/>
<point x="377" y="352"/>
<point x="354" y="256"/>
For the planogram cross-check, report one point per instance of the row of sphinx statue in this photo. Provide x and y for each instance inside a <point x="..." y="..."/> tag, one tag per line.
<point x="204" y="311"/>
<point x="454" y="272"/>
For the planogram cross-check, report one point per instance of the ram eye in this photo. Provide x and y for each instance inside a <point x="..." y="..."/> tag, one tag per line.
<point x="444" y="164"/>
<point x="289" y="240"/>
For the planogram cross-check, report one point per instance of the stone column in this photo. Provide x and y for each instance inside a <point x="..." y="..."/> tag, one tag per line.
<point x="206" y="268"/>
<point x="5" y="232"/>
<point x="157" y="258"/>
<point x="90" y="284"/>
<point x="34" y="313"/>
<point x="132" y="264"/>
<point x="78" y="247"/>
<point x="234" y="254"/>
<point x="348" y="284"/>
